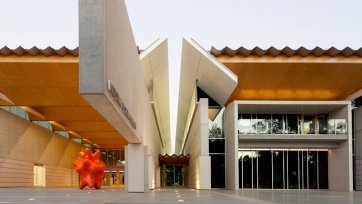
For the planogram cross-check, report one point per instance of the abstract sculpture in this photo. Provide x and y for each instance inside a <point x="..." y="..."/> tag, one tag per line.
<point x="90" y="169"/>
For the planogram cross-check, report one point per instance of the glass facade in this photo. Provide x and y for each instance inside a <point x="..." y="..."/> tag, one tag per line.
<point x="283" y="169"/>
<point x="290" y="124"/>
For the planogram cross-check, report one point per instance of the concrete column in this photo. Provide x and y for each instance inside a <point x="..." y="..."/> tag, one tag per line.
<point x="358" y="143"/>
<point x="158" y="177"/>
<point x="231" y="137"/>
<point x="204" y="159"/>
<point x="136" y="172"/>
<point x="340" y="170"/>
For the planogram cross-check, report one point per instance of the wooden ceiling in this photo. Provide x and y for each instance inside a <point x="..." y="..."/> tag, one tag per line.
<point x="298" y="78"/>
<point x="49" y="86"/>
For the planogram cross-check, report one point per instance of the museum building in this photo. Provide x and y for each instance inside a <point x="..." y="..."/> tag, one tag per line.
<point x="247" y="119"/>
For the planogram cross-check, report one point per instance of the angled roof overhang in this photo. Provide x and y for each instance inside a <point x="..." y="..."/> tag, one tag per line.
<point x="199" y="68"/>
<point x="45" y="84"/>
<point x="154" y="61"/>
<point x="289" y="74"/>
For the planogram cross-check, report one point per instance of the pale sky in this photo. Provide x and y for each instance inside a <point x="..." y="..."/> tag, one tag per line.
<point x="232" y="23"/>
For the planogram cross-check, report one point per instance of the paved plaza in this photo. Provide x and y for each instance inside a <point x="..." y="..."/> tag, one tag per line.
<point x="114" y="196"/>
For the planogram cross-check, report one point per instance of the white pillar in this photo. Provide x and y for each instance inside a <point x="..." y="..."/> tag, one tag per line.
<point x="136" y="172"/>
<point x="204" y="158"/>
<point x="232" y="142"/>
<point x="340" y="171"/>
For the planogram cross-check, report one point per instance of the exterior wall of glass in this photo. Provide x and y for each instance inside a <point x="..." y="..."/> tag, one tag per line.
<point x="283" y="169"/>
<point x="290" y="124"/>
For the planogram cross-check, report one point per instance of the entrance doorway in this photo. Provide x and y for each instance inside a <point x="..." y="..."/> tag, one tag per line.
<point x="173" y="176"/>
<point x="113" y="178"/>
<point x="39" y="175"/>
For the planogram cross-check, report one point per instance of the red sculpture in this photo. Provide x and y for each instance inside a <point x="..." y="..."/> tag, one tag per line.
<point x="90" y="169"/>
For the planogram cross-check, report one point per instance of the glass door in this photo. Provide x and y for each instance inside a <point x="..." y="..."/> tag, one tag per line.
<point x="173" y="176"/>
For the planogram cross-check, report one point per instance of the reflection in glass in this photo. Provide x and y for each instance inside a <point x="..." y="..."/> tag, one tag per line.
<point x="341" y="126"/>
<point x="253" y="124"/>
<point x="277" y="124"/>
<point x="264" y="169"/>
<point x="322" y="124"/>
<point x="244" y="124"/>
<point x="308" y="125"/>
<point x="263" y="123"/>
<point x="292" y="124"/>
<point x="331" y="127"/>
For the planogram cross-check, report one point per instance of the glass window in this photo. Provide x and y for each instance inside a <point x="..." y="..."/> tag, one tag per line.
<point x="264" y="169"/>
<point x="244" y="124"/>
<point x="308" y="125"/>
<point x="263" y="123"/>
<point x="278" y="169"/>
<point x="253" y="124"/>
<point x="341" y="126"/>
<point x="293" y="170"/>
<point x="277" y="124"/>
<point x="246" y="158"/>
<point x="331" y="126"/>
<point x="217" y="145"/>
<point x="322" y="124"/>
<point x="292" y="124"/>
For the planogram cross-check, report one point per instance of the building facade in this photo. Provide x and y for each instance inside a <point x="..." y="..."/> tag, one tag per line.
<point x="247" y="119"/>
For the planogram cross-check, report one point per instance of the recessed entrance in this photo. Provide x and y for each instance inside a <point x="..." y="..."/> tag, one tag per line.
<point x="173" y="176"/>
<point x="174" y="170"/>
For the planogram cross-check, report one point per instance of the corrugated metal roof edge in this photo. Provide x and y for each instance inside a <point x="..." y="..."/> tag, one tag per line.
<point x="286" y="51"/>
<point x="34" y="51"/>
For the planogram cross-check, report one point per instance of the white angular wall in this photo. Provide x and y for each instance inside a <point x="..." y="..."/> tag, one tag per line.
<point x="197" y="145"/>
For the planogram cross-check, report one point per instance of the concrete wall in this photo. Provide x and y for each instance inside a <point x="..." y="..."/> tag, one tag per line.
<point x="358" y="144"/>
<point x="197" y="145"/>
<point x="340" y="170"/>
<point x="136" y="173"/>
<point x="231" y="149"/>
<point x="23" y="143"/>
<point x="108" y="53"/>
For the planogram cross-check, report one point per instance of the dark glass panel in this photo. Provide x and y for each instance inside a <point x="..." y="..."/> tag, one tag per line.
<point x="247" y="170"/>
<point x="312" y="168"/>
<point x="217" y="171"/>
<point x="293" y="169"/>
<point x="323" y="169"/>
<point x="278" y="169"/>
<point x="292" y="124"/>
<point x="217" y="145"/>
<point x="254" y="162"/>
<point x="264" y="169"/>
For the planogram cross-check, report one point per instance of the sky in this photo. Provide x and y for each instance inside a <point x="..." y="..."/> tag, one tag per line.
<point x="217" y="23"/>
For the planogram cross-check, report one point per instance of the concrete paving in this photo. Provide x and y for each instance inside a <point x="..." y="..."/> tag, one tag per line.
<point x="115" y="196"/>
